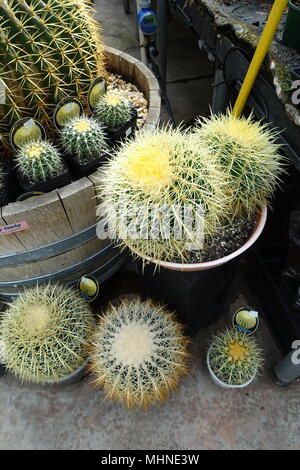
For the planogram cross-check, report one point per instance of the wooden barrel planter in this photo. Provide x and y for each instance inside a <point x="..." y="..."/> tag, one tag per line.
<point x="61" y="242"/>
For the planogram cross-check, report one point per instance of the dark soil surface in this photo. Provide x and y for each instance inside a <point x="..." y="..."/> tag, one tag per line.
<point x="228" y="240"/>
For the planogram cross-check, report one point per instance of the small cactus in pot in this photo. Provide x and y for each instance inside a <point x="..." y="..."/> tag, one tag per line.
<point x="139" y="353"/>
<point x="113" y="110"/>
<point x="83" y="138"/>
<point x="234" y="358"/>
<point x="45" y="333"/>
<point x="38" y="161"/>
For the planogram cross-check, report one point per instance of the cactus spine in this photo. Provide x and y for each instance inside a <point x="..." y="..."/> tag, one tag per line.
<point x="113" y="110"/>
<point x="138" y="353"/>
<point x="46" y="333"/>
<point x="159" y="172"/>
<point x="83" y="138"/>
<point x="235" y="357"/>
<point x="48" y="50"/>
<point x="248" y="155"/>
<point x="39" y="160"/>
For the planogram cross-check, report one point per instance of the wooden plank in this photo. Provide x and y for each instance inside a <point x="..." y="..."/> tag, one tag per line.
<point x="53" y="264"/>
<point x="127" y="65"/>
<point x="79" y="202"/>
<point x="46" y="219"/>
<point x="95" y="180"/>
<point x="154" y="99"/>
<point x="9" y="243"/>
<point x="153" y="116"/>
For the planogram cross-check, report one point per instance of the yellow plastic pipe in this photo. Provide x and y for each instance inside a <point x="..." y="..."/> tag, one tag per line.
<point x="262" y="48"/>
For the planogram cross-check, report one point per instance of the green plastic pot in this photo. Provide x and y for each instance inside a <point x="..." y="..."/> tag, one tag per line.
<point x="291" y="34"/>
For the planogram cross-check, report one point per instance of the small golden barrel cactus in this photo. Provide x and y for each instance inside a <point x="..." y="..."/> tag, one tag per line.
<point x="113" y="110"/>
<point x="46" y="333"/>
<point x="174" y="188"/>
<point x="248" y="154"/>
<point x="139" y="353"/>
<point x="39" y="160"/>
<point x="235" y="357"/>
<point x="83" y="138"/>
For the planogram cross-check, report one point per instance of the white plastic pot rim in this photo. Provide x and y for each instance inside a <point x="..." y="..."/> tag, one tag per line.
<point x="219" y="382"/>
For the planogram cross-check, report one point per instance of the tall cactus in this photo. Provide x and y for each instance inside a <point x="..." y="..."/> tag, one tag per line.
<point x="49" y="50"/>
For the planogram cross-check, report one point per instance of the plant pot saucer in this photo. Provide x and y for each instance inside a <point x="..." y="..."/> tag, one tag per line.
<point x="188" y="267"/>
<point x="45" y="186"/>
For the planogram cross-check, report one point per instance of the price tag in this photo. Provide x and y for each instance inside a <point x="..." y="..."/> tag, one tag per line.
<point x="12" y="228"/>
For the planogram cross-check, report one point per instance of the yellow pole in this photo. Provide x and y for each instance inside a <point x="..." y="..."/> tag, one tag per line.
<point x="262" y="48"/>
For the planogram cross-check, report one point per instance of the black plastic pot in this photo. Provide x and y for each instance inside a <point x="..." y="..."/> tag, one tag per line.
<point x="11" y="189"/>
<point x="85" y="169"/>
<point x="291" y="34"/>
<point x="199" y="297"/>
<point x="45" y="186"/>
<point x="124" y="131"/>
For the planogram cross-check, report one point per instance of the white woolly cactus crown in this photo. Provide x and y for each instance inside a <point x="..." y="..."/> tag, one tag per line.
<point x="83" y="138"/>
<point x="113" y="109"/>
<point x="158" y="170"/>
<point x="235" y="357"/>
<point x="39" y="160"/>
<point x="46" y="333"/>
<point x="248" y="154"/>
<point x="139" y="353"/>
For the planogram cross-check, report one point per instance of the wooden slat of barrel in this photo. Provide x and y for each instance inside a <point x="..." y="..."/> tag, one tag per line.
<point x="79" y="202"/>
<point x="9" y="243"/>
<point x="45" y="217"/>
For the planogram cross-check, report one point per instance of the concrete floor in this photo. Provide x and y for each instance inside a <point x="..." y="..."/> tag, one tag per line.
<point x="199" y="415"/>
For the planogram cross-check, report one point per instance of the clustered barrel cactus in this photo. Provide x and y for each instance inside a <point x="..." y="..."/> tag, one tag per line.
<point x="38" y="161"/>
<point x="113" y="110"/>
<point x="235" y="357"/>
<point x="248" y="155"/>
<point x="139" y="353"/>
<point x="228" y="166"/>
<point x="83" y="138"/>
<point x="162" y="171"/>
<point x="45" y="333"/>
<point x="49" y="49"/>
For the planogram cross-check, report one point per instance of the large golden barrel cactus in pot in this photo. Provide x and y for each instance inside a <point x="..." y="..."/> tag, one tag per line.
<point x="49" y="50"/>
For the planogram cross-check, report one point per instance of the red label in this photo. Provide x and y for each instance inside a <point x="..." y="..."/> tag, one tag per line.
<point x="12" y="228"/>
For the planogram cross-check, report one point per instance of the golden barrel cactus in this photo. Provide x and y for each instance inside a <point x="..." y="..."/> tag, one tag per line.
<point x="139" y="353"/>
<point x="46" y="333"/>
<point x="49" y="49"/>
